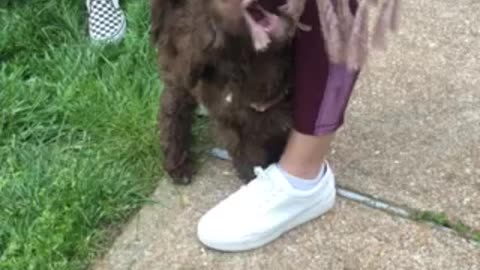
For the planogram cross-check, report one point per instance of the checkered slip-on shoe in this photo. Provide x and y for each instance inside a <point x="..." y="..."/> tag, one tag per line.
<point x="106" y="21"/>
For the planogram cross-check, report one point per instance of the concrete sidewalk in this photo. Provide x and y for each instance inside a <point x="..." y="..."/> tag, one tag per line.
<point x="163" y="237"/>
<point x="412" y="137"/>
<point x="413" y="130"/>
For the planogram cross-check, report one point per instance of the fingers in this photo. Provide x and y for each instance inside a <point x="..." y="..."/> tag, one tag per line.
<point x="285" y="9"/>
<point x="247" y="3"/>
<point x="261" y="39"/>
<point x="266" y="12"/>
<point x="304" y="27"/>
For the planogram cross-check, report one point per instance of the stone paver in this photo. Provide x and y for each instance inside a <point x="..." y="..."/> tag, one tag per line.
<point x="413" y="128"/>
<point x="162" y="236"/>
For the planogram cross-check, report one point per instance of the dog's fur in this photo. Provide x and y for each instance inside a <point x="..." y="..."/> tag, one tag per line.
<point x="206" y="57"/>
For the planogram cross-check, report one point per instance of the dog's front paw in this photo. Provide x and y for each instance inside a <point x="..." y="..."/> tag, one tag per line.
<point x="245" y="173"/>
<point x="179" y="167"/>
<point x="182" y="175"/>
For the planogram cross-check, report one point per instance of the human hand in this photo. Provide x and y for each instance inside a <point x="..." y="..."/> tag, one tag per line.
<point x="268" y="28"/>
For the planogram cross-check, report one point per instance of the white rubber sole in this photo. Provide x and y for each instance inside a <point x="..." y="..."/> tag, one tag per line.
<point x="317" y="210"/>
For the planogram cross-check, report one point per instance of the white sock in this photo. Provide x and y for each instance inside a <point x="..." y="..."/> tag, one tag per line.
<point x="301" y="183"/>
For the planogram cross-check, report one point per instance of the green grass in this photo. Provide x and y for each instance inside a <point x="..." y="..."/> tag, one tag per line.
<point x="78" y="140"/>
<point x="443" y="220"/>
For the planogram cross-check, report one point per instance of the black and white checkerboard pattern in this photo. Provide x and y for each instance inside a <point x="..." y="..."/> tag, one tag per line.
<point x="106" y="21"/>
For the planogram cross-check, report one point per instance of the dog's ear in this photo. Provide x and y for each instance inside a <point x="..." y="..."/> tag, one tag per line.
<point x="160" y="11"/>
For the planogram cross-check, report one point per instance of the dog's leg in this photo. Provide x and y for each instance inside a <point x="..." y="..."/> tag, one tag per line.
<point x="254" y="153"/>
<point x="245" y="159"/>
<point x="244" y="152"/>
<point x="248" y="151"/>
<point x="175" y="121"/>
<point x="248" y="154"/>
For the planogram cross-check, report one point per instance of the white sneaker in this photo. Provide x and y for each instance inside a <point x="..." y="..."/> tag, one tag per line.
<point x="263" y="210"/>
<point x="106" y="20"/>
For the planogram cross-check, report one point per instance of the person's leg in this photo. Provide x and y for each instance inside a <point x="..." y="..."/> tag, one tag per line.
<point x="297" y="189"/>
<point x="106" y="21"/>
<point x="322" y="92"/>
<point x="305" y="154"/>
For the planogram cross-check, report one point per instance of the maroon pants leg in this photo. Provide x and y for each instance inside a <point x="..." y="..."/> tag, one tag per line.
<point x="321" y="89"/>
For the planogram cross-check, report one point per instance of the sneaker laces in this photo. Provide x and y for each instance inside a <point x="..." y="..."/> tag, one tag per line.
<point x="262" y="182"/>
<point x="253" y="198"/>
<point x="261" y="190"/>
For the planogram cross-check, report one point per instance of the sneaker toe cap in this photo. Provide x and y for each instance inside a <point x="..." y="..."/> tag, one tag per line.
<point x="210" y="231"/>
<point x="218" y="231"/>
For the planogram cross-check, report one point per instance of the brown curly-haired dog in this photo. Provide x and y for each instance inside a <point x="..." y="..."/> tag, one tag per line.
<point x="206" y="57"/>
